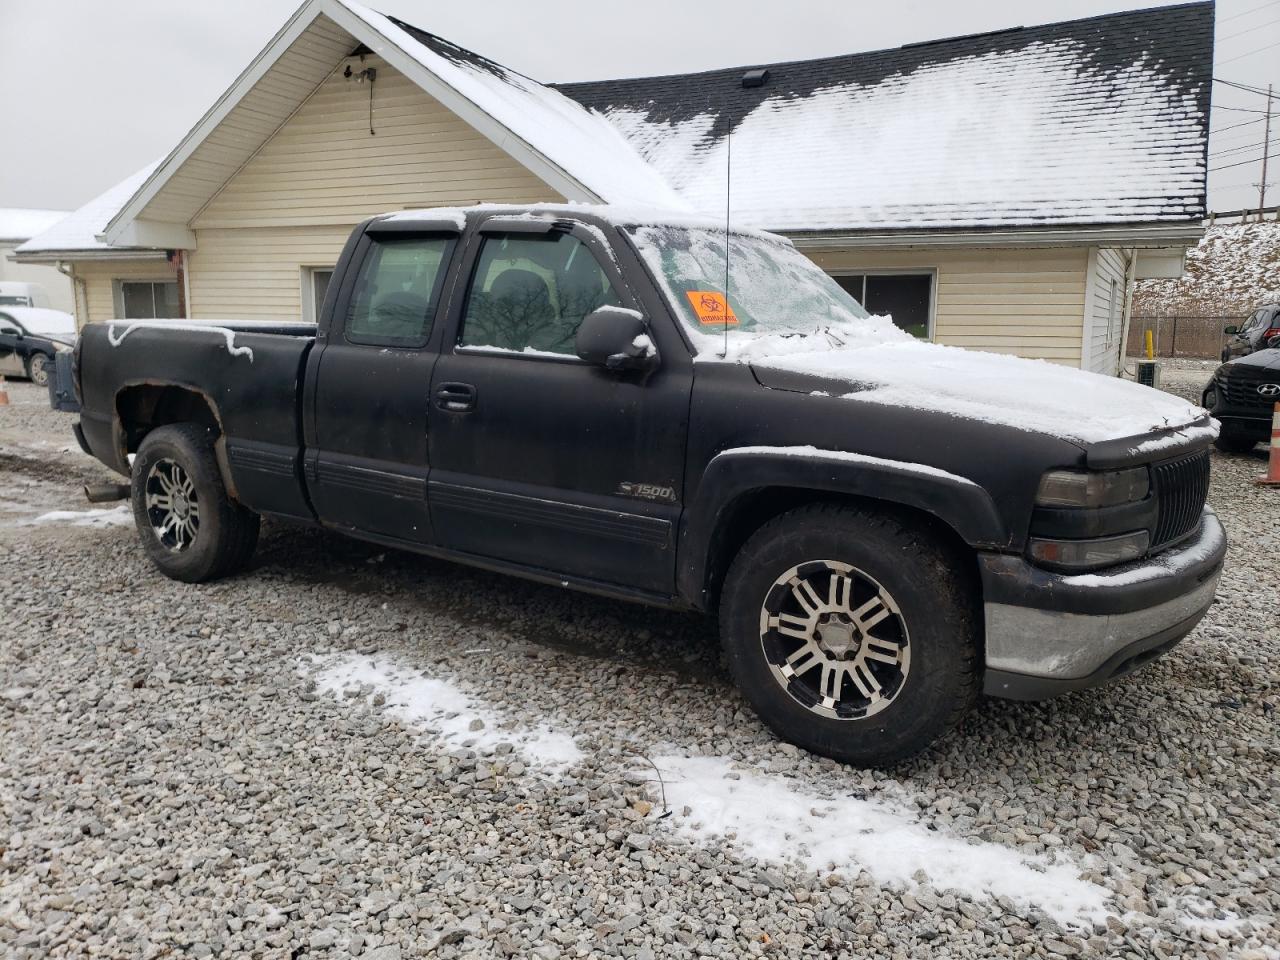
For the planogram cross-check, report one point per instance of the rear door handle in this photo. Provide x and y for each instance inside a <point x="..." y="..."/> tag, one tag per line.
<point x="456" y="397"/>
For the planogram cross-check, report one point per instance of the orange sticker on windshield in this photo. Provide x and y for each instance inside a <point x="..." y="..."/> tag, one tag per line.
<point x="709" y="306"/>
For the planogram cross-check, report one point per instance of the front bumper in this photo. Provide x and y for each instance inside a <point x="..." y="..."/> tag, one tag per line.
<point x="1049" y="633"/>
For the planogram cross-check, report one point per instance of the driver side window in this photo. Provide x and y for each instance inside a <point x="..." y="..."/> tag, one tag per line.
<point x="530" y="292"/>
<point x="397" y="291"/>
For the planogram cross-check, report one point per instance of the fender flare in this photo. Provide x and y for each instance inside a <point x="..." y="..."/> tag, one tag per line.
<point x="956" y="501"/>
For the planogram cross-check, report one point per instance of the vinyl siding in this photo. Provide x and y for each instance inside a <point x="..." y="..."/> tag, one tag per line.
<point x="294" y="204"/>
<point x="256" y="274"/>
<point x="323" y="167"/>
<point x="98" y="302"/>
<point x="1103" y="334"/>
<point x="1018" y="301"/>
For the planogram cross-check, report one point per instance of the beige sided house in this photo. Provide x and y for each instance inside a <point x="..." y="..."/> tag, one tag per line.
<point x="1000" y="191"/>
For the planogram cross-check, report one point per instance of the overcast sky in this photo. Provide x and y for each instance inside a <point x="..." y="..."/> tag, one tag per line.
<point x="94" y="90"/>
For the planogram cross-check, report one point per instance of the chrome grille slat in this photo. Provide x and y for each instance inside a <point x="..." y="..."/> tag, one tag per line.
<point x="1181" y="487"/>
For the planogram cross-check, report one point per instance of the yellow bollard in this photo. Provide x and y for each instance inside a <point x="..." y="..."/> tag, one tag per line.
<point x="4" y="394"/>
<point x="1151" y="347"/>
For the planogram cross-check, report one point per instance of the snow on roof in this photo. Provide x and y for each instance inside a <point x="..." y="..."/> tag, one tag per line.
<point x="23" y="223"/>
<point x="1234" y="269"/>
<point x="577" y="140"/>
<point x="79" y="231"/>
<point x="1096" y="121"/>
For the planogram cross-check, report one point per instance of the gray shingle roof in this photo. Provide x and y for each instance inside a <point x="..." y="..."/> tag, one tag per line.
<point x="1095" y="121"/>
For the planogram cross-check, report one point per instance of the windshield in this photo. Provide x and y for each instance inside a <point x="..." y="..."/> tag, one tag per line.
<point x="774" y="290"/>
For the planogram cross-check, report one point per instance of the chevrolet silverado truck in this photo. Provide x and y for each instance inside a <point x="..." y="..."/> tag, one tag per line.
<point x="597" y="399"/>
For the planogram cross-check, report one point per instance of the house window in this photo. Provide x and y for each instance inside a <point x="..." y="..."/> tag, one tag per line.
<point x="907" y="297"/>
<point x="146" y="299"/>
<point x="315" y="284"/>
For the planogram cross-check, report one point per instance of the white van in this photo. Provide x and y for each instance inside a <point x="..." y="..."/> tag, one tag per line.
<point x="19" y="293"/>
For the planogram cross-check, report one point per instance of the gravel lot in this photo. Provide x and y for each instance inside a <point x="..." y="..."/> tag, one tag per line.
<point x="351" y="751"/>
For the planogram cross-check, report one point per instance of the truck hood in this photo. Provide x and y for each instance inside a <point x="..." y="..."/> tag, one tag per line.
<point x="1032" y="395"/>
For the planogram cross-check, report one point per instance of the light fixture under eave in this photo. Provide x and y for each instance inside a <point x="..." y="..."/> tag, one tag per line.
<point x="360" y="76"/>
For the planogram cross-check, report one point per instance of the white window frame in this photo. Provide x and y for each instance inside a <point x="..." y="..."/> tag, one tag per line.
<point x="930" y="272"/>
<point x="311" y="309"/>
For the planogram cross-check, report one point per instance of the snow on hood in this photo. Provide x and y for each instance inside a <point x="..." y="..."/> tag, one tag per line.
<point x="1032" y="395"/>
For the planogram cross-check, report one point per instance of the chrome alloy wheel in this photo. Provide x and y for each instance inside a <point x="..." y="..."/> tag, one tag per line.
<point x="835" y="640"/>
<point x="172" y="505"/>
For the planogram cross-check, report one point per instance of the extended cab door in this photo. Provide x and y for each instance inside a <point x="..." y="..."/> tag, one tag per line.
<point x="366" y="464"/>
<point x="539" y="458"/>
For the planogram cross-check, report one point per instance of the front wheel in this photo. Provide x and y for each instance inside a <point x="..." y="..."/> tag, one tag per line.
<point x="851" y="633"/>
<point x="38" y="369"/>
<point x="189" y="527"/>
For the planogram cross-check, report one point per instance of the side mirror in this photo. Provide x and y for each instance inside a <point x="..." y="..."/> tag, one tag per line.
<point x="1231" y="329"/>
<point x="617" y="339"/>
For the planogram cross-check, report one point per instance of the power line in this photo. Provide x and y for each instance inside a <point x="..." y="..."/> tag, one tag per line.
<point x="1246" y="88"/>
<point x="1238" y="109"/>
<point x="1228" y="166"/>
<point x="1269" y="46"/>
<point x="1247" y="146"/>
<point x="1235" y="125"/>
<point x="1245" y="13"/>
<point x="1241" y="33"/>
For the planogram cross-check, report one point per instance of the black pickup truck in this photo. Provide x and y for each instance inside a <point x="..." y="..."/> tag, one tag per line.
<point x="885" y="527"/>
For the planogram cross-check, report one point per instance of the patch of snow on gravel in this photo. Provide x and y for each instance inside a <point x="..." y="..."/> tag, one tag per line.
<point x="775" y="821"/>
<point x="443" y="708"/>
<point x="121" y="516"/>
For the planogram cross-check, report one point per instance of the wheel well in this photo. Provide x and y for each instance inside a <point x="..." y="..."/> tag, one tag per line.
<point x="144" y="407"/>
<point x="753" y="509"/>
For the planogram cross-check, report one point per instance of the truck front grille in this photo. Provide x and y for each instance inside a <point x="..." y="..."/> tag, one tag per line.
<point x="1181" y="488"/>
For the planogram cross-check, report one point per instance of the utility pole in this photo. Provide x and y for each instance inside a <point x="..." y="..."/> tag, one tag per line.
<point x="1266" y="137"/>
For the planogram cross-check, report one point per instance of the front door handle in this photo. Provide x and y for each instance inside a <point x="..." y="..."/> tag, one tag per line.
<point x="456" y="397"/>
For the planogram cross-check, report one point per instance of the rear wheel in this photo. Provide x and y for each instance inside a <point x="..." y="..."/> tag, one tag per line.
<point x="1234" y="443"/>
<point x="38" y="369"/>
<point x="851" y="634"/>
<point x="189" y="527"/>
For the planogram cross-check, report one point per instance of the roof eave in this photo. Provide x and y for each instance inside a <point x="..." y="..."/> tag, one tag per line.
<point x="364" y="32"/>
<point x="1128" y="234"/>
<point x="64" y="256"/>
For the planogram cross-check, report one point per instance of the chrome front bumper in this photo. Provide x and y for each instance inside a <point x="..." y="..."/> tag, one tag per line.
<point x="1048" y="633"/>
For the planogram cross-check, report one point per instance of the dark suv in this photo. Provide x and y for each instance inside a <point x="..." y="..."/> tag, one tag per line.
<point x="1260" y="331"/>
<point x="1242" y="395"/>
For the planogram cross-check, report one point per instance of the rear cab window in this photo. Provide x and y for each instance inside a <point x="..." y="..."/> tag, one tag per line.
<point x="397" y="290"/>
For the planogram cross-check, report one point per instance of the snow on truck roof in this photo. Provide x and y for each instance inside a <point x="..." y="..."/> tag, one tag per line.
<point x="618" y="214"/>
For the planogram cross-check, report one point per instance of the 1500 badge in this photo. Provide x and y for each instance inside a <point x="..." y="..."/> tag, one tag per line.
<point x="647" y="491"/>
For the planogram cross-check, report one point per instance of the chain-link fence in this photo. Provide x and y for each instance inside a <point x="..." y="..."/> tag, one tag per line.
<point x="1198" y="337"/>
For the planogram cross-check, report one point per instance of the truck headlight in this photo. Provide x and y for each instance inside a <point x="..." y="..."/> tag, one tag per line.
<point x="1096" y="488"/>
<point x="1079" y="555"/>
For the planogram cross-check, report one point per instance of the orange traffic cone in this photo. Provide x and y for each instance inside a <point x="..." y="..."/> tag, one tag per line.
<point x="1272" y="477"/>
<point x="4" y="394"/>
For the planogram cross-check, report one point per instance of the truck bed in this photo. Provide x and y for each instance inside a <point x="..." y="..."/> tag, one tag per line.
<point x="248" y="373"/>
